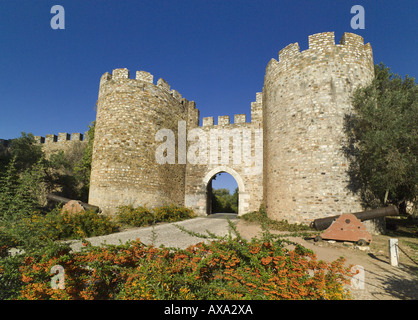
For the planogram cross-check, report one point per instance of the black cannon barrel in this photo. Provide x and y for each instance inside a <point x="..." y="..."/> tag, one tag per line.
<point x="324" y="223"/>
<point x="59" y="199"/>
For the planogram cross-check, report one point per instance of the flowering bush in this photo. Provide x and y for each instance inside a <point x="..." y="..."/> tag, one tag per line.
<point x="230" y="268"/>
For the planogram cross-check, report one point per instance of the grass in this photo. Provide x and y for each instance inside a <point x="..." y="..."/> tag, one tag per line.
<point x="261" y="218"/>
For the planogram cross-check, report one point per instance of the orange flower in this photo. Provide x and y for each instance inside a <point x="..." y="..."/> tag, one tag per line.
<point x="266" y="260"/>
<point x="26" y="278"/>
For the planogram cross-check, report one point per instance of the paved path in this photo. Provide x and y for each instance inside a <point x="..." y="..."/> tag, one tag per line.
<point x="167" y="234"/>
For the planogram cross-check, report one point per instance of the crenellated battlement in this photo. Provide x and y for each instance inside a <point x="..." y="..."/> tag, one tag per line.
<point x="324" y="43"/>
<point x="322" y="40"/>
<point x="352" y="39"/>
<point x="256" y="115"/>
<point x="62" y="137"/>
<point x="290" y="51"/>
<point x="142" y="76"/>
<point x="224" y="120"/>
<point x="287" y="156"/>
<point x="52" y="138"/>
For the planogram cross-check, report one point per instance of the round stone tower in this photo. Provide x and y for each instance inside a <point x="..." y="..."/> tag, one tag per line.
<point x="305" y="98"/>
<point x="125" y="170"/>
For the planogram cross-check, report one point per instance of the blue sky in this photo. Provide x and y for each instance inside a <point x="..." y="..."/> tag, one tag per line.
<point x="213" y="52"/>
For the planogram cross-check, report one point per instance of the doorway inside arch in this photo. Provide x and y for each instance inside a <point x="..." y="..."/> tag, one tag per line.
<point x="223" y="193"/>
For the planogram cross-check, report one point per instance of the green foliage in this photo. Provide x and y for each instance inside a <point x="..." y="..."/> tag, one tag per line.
<point x="25" y="152"/>
<point x="22" y="178"/>
<point x="142" y="216"/>
<point x="61" y="176"/>
<point x="20" y="193"/>
<point x="224" y="202"/>
<point x="383" y="140"/>
<point x="11" y="280"/>
<point x="172" y="213"/>
<point x="26" y="176"/>
<point x="261" y="217"/>
<point x="10" y="277"/>
<point x="20" y="196"/>
<point x="82" y="168"/>
<point x="69" y="171"/>
<point x="61" y="226"/>
<point x="135" y="217"/>
<point x="36" y="233"/>
<point x="24" y="182"/>
<point x="225" y="269"/>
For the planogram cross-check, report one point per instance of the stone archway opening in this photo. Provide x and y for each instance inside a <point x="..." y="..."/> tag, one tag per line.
<point x="222" y="194"/>
<point x="242" y="196"/>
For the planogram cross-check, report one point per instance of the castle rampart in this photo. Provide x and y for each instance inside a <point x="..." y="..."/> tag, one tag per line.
<point x="62" y="137"/>
<point x="235" y="148"/>
<point x="296" y="129"/>
<point x="305" y="98"/>
<point x="51" y="143"/>
<point x="288" y="156"/>
<point x="130" y="113"/>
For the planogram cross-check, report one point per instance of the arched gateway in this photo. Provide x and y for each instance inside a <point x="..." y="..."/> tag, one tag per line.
<point x="207" y="182"/>
<point x="287" y="157"/>
<point x="249" y="187"/>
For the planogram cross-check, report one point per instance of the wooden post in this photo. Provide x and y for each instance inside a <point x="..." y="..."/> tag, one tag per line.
<point x="393" y="252"/>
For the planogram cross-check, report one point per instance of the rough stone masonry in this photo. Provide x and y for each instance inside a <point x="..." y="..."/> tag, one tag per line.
<point x="296" y="126"/>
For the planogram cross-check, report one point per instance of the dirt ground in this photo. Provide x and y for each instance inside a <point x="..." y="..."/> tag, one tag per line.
<point x="381" y="280"/>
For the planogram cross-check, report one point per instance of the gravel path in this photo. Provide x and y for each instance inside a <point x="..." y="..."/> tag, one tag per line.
<point x="167" y="234"/>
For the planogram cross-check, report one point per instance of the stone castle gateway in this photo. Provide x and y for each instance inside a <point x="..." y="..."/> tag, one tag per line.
<point x="296" y="126"/>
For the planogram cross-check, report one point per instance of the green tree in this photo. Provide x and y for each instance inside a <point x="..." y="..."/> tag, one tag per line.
<point x="223" y="201"/>
<point x="382" y="142"/>
<point x="83" y="167"/>
<point x="234" y="201"/>
<point x="8" y="188"/>
<point x="69" y="171"/>
<point x="25" y="152"/>
<point x="22" y="180"/>
<point x="21" y="193"/>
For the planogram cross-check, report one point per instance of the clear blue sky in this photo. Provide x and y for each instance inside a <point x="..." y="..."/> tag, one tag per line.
<point x="212" y="51"/>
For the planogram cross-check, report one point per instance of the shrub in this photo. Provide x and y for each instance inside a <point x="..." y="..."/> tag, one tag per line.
<point x="172" y="213"/>
<point x="142" y="216"/>
<point x="10" y="277"/>
<point x="6" y="242"/>
<point x="135" y="217"/>
<point x="84" y="224"/>
<point x="230" y="268"/>
<point x="34" y="231"/>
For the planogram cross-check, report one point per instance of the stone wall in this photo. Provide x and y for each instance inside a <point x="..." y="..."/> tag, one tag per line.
<point x="125" y="170"/>
<point x="288" y="156"/>
<point x="300" y="114"/>
<point x="305" y="98"/>
<point x="74" y="143"/>
<point x="235" y="148"/>
<point x="124" y="167"/>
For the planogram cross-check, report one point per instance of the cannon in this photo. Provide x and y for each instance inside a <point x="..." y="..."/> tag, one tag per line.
<point x="58" y="199"/>
<point x="323" y="223"/>
<point x="349" y="226"/>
